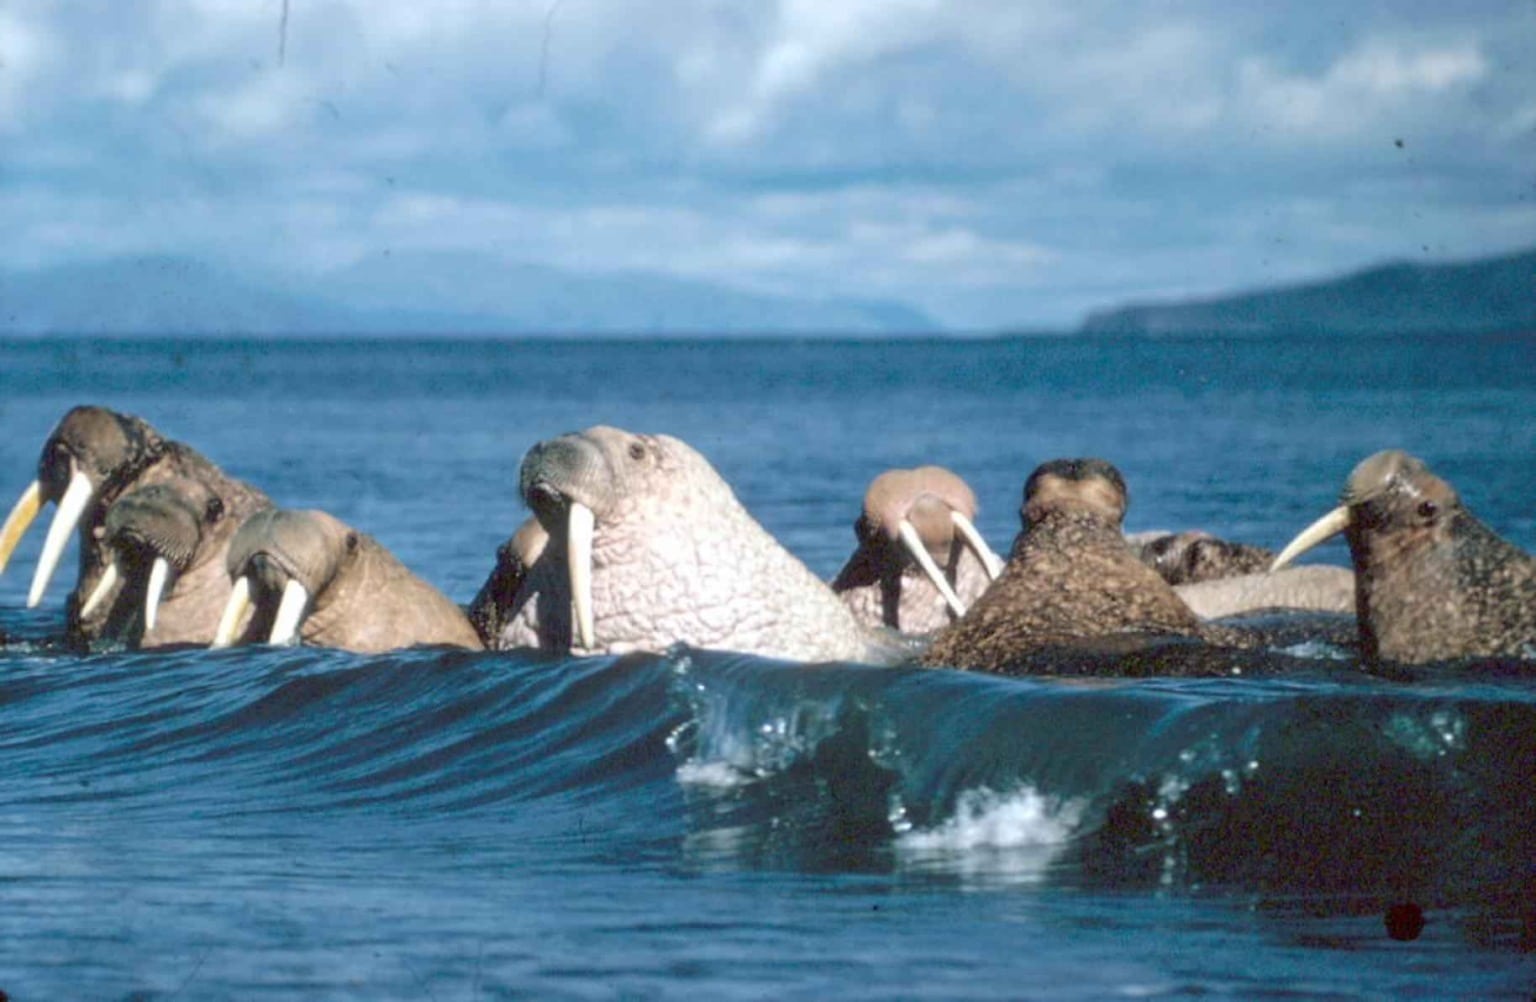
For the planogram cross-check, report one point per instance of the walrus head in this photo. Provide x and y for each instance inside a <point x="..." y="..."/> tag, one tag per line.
<point x="924" y="512"/>
<point x="155" y="531"/>
<point x="1432" y="582"/>
<point x="1391" y="503"/>
<point x="282" y="558"/>
<point x="649" y="546"/>
<point x="91" y="453"/>
<point x="1092" y="486"/>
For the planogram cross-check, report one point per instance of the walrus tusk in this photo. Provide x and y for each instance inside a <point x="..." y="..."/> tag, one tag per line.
<point x="234" y="612"/>
<point x="71" y="507"/>
<point x="290" y="614"/>
<point x="17" y="522"/>
<point x="159" y="573"/>
<point x="578" y="557"/>
<point x="914" y="544"/>
<point x="101" y="591"/>
<point x="989" y="560"/>
<point x="1327" y="527"/>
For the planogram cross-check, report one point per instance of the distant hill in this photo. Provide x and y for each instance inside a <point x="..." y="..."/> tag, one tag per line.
<point x="412" y="294"/>
<point x="1492" y="294"/>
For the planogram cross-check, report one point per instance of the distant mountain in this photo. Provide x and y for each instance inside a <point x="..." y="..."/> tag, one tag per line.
<point x="1492" y="294"/>
<point x="412" y="294"/>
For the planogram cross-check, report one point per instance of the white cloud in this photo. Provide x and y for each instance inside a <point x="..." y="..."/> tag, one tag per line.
<point x="1378" y="78"/>
<point x="991" y="160"/>
<point x="27" y="52"/>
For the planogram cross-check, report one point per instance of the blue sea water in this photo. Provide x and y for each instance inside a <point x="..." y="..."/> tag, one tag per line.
<point x="311" y="824"/>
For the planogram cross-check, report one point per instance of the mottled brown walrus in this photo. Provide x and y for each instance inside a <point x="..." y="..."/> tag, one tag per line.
<point x="306" y="576"/>
<point x="920" y="561"/>
<point x="92" y="458"/>
<point x="1071" y="581"/>
<point x="1191" y="557"/>
<point x="1432" y="583"/>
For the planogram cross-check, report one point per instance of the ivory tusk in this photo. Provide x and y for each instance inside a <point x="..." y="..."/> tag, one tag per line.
<point x="914" y="544"/>
<point x="71" y="508"/>
<point x="159" y="573"/>
<point x="991" y="561"/>
<point x="17" y="522"/>
<point x="103" y="588"/>
<point x="1328" y="526"/>
<point x="578" y="556"/>
<point x="290" y="614"/>
<point x="234" y="611"/>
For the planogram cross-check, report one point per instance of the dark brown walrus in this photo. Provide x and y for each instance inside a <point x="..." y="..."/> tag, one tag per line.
<point x="1192" y="557"/>
<point x="92" y="458"/>
<point x="920" y="562"/>
<point x="310" y="577"/>
<point x="1070" y="579"/>
<point x="167" y="543"/>
<point x="1216" y="577"/>
<point x="1432" y="583"/>
<point x="491" y="610"/>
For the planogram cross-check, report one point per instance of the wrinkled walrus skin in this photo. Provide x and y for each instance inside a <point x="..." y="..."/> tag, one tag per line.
<point x="910" y="515"/>
<point x="1432" y="582"/>
<point x="91" y="459"/>
<point x="186" y="525"/>
<point x="672" y="557"/>
<point x="345" y="589"/>
<point x="1072" y="581"/>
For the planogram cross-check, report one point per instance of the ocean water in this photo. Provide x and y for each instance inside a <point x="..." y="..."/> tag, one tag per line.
<point x="311" y="824"/>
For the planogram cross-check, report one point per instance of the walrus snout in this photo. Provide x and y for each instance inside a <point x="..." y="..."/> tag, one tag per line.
<point x="293" y="541"/>
<point x="154" y="519"/>
<point x="560" y="471"/>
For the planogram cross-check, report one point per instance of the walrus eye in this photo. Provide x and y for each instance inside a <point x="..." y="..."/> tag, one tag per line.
<point x="1428" y="510"/>
<point x="351" y="541"/>
<point x="214" y="510"/>
<point x="636" y="451"/>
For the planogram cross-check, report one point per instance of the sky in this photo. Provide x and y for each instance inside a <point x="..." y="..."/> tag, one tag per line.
<point x="999" y="164"/>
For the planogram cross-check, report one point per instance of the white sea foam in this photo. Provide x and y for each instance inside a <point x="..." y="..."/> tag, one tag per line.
<point x="984" y="818"/>
<point x="714" y="775"/>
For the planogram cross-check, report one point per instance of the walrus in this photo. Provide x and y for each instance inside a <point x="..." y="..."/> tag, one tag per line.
<point x="167" y="543"/>
<point x="494" y="601"/>
<point x="1314" y="588"/>
<point x="1432" y="582"/>
<point x="1217" y="577"/>
<point x="92" y="457"/>
<point x="1071" y="578"/>
<point x="307" y="576"/>
<point x="649" y="546"/>
<point x="920" y="562"/>
<point x="1192" y="556"/>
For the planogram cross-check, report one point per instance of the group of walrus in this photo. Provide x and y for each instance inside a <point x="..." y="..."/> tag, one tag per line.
<point x="637" y="543"/>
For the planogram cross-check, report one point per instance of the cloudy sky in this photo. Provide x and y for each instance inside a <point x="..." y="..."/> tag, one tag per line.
<point x="997" y="163"/>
